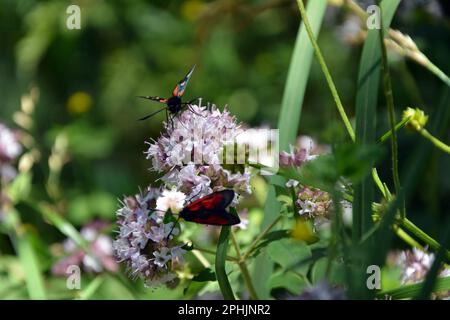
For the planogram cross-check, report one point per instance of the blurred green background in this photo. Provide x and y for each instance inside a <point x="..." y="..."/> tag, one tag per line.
<point x="88" y="80"/>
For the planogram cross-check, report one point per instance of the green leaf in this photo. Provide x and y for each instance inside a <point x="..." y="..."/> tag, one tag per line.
<point x="288" y="252"/>
<point x="270" y="237"/>
<point x="347" y="160"/>
<point x="333" y="271"/>
<point x="221" y="257"/>
<point x="288" y="280"/>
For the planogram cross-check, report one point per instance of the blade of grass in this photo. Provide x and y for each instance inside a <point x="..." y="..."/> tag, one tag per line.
<point x="366" y="110"/>
<point x="298" y="74"/>
<point x="325" y="70"/>
<point x="221" y="257"/>
<point x="409" y="291"/>
<point x="29" y="261"/>
<point x="63" y="226"/>
<point x="366" y="104"/>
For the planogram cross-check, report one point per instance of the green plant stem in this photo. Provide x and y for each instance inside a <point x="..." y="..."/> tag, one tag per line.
<point x="325" y="71"/>
<point x="433" y="244"/>
<point x="391" y="111"/>
<point x="407" y="238"/>
<point x="398" y="126"/>
<point x="261" y="235"/>
<point x="221" y="273"/>
<point x="378" y="181"/>
<point x="437" y="72"/>
<point x="437" y="143"/>
<point x="243" y="267"/>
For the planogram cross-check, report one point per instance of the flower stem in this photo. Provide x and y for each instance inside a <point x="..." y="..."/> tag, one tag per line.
<point x="398" y="126"/>
<point x="407" y="238"/>
<point x="437" y="72"/>
<point x="261" y="235"/>
<point x="438" y="143"/>
<point x="244" y="270"/>
<point x="325" y="71"/>
<point x="221" y="273"/>
<point x="391" y="112"/>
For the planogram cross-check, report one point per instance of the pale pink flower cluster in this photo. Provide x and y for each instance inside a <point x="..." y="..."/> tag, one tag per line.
<point x="313" y="203"/>
<point x="145" y="242"/>
<point x="415" y="265"/>
<point x="191" y="153"/>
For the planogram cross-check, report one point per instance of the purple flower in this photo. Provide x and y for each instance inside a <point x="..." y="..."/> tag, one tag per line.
<point x="313" y="203"/>
<point x="145" y="242"/>
<point x="305" y="149"/>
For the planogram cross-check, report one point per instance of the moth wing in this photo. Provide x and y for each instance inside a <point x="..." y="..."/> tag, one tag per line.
<point x="181" y="85"/>
<point x="213" y="217"/>
<point x="214" y="201"/>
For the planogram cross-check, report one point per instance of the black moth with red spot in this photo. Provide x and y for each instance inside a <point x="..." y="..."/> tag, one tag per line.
<point x="210" y="209"/>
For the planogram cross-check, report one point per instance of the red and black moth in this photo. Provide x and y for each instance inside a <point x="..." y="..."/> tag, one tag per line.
<point x="174" y="104"/>
<point x="210" y="209"/>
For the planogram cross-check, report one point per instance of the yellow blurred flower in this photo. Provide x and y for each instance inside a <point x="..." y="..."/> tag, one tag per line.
<point x="304" y="231"/>
<point x="80" y="102"/>
<point x="191" y="9"/>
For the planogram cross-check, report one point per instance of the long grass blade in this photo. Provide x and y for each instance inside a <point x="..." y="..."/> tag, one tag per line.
<point x="365" y="134"/>
<point x="366" y="105"/>
<point x="410" y="291"/>
<point x="298" y="74"/>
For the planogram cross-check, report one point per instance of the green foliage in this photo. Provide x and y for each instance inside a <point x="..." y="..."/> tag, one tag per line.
<point x="252" y="55"/>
